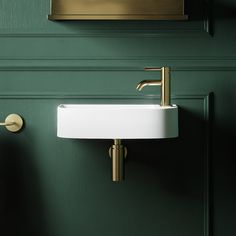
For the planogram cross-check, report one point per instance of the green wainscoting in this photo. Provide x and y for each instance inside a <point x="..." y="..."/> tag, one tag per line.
<point x="175" y="187"/>
<point x="59" y="187"/>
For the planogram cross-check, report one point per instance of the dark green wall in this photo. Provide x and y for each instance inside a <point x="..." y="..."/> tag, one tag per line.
<point x="175" y="187"/>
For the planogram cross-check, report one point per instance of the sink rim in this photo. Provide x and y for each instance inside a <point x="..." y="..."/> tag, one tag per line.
<point x="143" y="113"/>
<point x="143" y="106"/>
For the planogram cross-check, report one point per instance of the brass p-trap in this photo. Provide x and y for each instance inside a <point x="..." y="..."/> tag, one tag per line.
<point x="13" y="123"/>
<point x="118" y="153"/>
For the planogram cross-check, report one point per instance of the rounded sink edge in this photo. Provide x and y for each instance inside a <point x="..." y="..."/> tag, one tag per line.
<point x="113" y="138"/>
<point x="66" y="106"/>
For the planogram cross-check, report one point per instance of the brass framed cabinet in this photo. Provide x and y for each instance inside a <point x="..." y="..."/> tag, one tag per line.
<point x="117" y="10"/>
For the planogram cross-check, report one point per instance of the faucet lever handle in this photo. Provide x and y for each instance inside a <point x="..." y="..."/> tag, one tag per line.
<point x="153" y="69"/>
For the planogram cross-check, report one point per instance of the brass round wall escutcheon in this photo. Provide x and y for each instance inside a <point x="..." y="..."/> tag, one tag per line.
<point x="14" y="123"/>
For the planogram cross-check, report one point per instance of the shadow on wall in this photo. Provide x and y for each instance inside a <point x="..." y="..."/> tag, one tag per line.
<point x="225" y="10"/>
<point x="22" y="211"/>
<point x="175" y="165"/>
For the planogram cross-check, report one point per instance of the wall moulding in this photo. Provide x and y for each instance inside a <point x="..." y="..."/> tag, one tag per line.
<point x="205" y="101"/>
<point x="220" y="63"/>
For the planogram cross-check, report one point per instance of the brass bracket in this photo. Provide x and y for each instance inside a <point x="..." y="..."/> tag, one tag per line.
<point x="13" y="123"/>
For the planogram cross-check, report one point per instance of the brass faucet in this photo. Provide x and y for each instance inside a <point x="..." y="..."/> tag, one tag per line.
<point x="117" y="151"/>
<point x="164" y="82"/>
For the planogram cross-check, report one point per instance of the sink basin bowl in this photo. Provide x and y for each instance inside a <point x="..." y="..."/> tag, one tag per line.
<point x="117" y="121"/>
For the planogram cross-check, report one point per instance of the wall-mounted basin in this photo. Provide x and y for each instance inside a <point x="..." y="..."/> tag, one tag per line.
<point x="117" y="121"/>
<point x="121" y="121"/>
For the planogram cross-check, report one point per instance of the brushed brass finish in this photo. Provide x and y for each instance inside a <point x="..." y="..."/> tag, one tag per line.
<point x="13" y="123"/>
<point x="115" y="17"/>
<point x="117" y="153"/>
<point x="125" y="152"/>
<point x="164" y="82"/>
<point x="117" y="10"/>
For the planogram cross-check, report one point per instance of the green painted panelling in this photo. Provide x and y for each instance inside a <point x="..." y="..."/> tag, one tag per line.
<point x="114" y="82"/>
<point x="115" y="48"/>
<point x="61" y="187"/>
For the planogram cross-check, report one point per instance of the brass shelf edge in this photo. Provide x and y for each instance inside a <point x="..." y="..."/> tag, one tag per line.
<point x="116" y="17"/>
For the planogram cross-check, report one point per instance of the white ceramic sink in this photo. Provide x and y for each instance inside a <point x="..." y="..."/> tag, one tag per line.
<point x="117" y="121"/>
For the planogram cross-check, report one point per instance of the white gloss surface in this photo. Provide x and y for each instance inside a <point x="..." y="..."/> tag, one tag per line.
<point x="117" y="121"/>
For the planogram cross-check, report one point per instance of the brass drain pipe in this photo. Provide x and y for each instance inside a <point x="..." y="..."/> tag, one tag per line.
<point x="117" y="153"/>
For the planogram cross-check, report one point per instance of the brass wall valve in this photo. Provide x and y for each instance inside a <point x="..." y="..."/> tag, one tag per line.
<point x="13" y="123"/>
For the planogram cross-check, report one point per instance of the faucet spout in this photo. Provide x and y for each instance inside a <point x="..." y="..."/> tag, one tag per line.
<point x="145" y="83"/>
